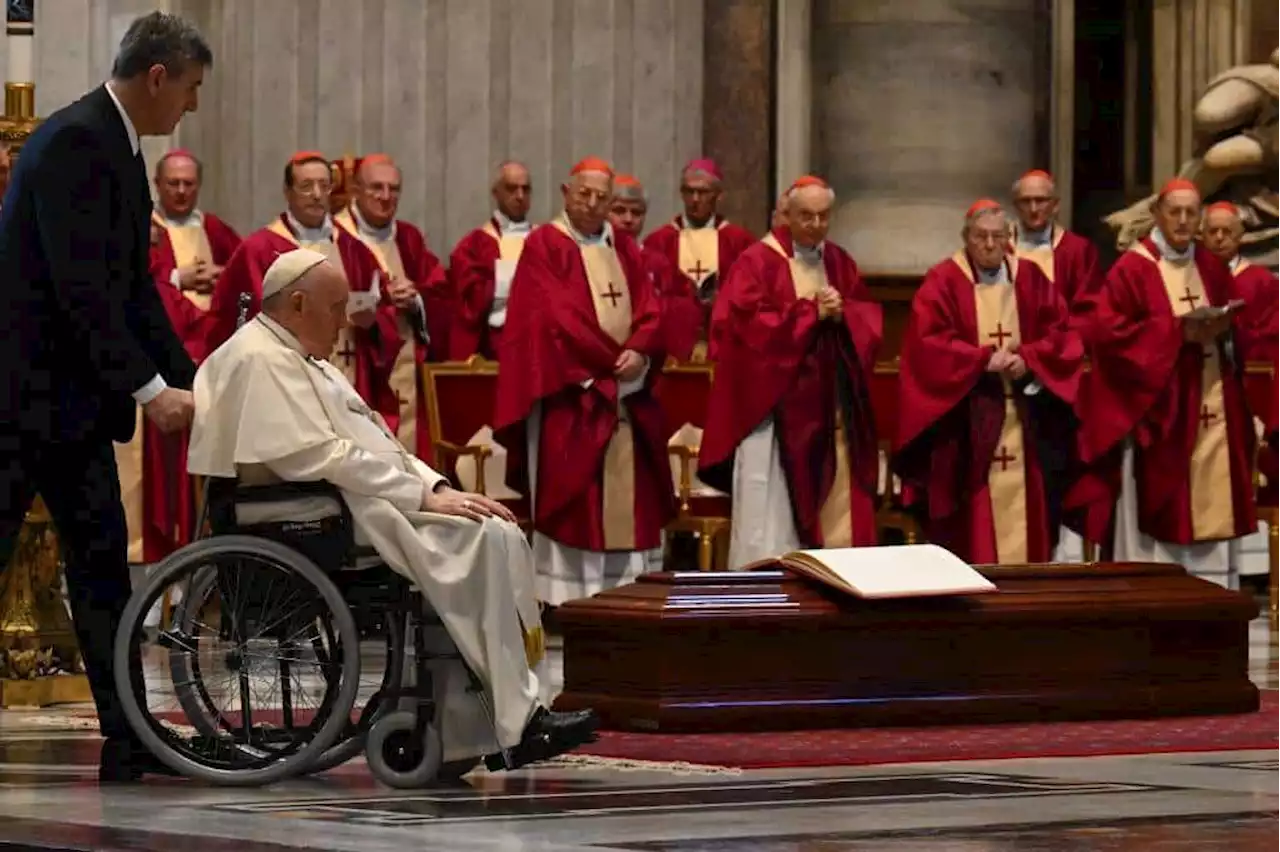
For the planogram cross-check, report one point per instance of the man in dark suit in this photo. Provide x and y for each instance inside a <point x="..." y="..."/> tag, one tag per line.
<point x="86" y="338"/>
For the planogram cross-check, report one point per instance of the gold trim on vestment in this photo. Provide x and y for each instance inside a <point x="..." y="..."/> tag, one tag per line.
<point x="612" y="300"/>
<point x="1212" y="506"/>
<point x="510" y="246"/>
<point x="699" y="253"/>
<point x="129" y="471"/>
<point x="835" y="518"/>
<point x="997" y="317"/>
<point x="403" y="379"/>
<point x="190" y="243"/>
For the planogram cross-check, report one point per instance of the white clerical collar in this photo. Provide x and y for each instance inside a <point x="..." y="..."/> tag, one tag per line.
<point x="1169" y="252"/>
<point x="507" y="226"/>
<point x="304" y="234"/>
<point x="134" y="144"/>
<point x="810" y="255"/>
<point x="605" y="235"/>
<point x="1036" y="239"/>
<point x="383" y="235"/>
<point x="1233" y="263"/>
<point x="689" y="226"/>
<point x="195" y="217"/>
<point x="999" y="275"/>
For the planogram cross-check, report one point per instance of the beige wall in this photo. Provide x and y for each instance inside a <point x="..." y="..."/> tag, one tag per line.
<point x="447" y="87"/>
<point x="919" y="108"/>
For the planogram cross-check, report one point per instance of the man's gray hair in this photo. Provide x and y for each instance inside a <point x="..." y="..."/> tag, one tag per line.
<point x="159" y="38"/>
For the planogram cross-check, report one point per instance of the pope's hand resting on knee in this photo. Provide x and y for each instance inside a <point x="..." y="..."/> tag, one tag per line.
<point x="444" y="500"/>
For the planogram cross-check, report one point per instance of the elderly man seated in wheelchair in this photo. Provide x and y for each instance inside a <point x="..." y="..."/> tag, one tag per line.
<point x="270" y="409"/>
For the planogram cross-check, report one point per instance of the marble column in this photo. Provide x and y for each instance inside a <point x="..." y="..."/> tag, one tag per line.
<point x="449" y="88"/>
<point x="737" y="83"/>
<point x="794" y="120"/>
<point x="920" y="107"/>
<point x="1192" y="41"/>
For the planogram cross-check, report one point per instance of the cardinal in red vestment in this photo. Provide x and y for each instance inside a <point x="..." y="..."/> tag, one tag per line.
<point x="989" y="376"/>
<point x="189" y="247"/>
<point x="701" y="245"/>
<point x="790" y="432"/>
<point x="1068" y="260"/>
<point x="413" y="322"/>
<point x="483" y="263"/>
<point x="193" y="245"/>
<point x="306" y="223"/>
<point x="1166" y="428"/>
<point x="578" y="358"/>
<point x="681" y="316"/>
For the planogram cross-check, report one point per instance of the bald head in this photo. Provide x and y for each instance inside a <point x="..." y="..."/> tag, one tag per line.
<point x="1035" y="198"/>
<point x="512" y="190"/>
<point x="177" y="183"/>
<point x="1222" y="231"/>
<point x="313" y="308"/>
<point x="377" y="190"/>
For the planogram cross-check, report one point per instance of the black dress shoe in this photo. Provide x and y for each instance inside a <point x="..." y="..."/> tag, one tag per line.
<point x="126" y="760"/>
<point x="546" y="736"/>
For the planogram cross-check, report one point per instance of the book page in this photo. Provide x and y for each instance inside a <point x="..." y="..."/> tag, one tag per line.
<point x="904" y="571"/>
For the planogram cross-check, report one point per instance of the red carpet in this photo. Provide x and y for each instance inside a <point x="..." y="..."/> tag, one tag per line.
<point x="868" y="746"/>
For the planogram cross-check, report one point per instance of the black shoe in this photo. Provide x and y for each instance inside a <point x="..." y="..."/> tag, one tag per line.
<point x="546" y="736"/>
<point x="126" y="760"/>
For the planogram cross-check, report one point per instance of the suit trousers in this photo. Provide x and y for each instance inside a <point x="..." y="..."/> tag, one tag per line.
<point x="81" y="488"/>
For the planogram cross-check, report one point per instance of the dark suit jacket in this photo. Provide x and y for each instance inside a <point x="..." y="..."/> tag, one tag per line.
<point x="83" y="324"/>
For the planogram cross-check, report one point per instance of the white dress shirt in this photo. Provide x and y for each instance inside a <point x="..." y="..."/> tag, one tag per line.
<point x="157" y="385"/>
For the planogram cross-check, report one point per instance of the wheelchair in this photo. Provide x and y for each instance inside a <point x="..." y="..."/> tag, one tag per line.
<point x="287" y="601"/>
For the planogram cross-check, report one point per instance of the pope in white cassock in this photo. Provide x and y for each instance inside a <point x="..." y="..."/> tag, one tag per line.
<point x="270" y="408"/>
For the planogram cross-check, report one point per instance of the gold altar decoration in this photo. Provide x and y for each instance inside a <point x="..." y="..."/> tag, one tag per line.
<point x="40" y="662"/>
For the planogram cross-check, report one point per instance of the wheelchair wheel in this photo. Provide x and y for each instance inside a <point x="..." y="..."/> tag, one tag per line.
<point x="403" y="751"/>
<point x="232" y="635"/>
<point x="352" y="740"/>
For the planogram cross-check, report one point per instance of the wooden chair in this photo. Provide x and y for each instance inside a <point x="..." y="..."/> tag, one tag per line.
<point x="682" y="391"/>
<point x="460" y="402"/>
<point x="891" y="513"/>
<point x="1259" y="386"/>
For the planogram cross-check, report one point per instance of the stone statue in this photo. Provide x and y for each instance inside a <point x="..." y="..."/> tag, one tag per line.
<point x="1235" y="137"/>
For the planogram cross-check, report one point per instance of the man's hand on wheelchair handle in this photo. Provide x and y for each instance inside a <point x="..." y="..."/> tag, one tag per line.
<point x="477" y="507"/>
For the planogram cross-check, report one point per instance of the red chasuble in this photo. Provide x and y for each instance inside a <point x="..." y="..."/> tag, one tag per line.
<point x="1260" y="324"/>
<point x="473" y="283"/>
<point x="358" y="349"/>
<point x="777" y="359"/>
<point x="397" y="384"/>
<point x="682" y="317"/>
<point x="1071" y="263"/>
<point x="212" y="240"/>
<point x="1182" y="404"/>
<point x="702" y="258"/>
<point x="987" y="458"/>
<point x="604" y="480"/>
<point x="157" y="494"/>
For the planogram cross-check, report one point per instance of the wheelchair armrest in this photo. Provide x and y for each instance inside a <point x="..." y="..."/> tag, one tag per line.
<point x="283" y="491"/>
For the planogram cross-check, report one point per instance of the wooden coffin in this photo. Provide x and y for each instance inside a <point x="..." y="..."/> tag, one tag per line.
<point x="767" y="650"/>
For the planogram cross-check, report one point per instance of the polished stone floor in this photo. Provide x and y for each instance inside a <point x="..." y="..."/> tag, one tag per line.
<point x="49" y="800"/>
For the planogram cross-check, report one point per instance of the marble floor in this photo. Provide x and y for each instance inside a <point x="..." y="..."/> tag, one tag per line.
<point x="50" y="800"/>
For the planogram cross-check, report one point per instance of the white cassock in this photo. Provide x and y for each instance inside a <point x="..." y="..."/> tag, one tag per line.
<point x="1209" y="560"/>
<point x="265" y="408"/>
